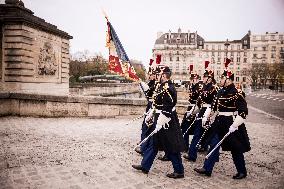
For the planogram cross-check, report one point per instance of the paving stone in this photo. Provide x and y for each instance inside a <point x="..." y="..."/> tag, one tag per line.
<point x="91" y="153"/>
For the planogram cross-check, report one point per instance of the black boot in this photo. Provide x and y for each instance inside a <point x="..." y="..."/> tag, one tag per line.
<point x="240" y="176"/>
<point x="164" y="158"/>
<point x="140" y="168"/>
<point x="138" y="150"/>
<point x="175" y="175"/>
<point x="202" y="171"/>
<point x="186" y="156"/>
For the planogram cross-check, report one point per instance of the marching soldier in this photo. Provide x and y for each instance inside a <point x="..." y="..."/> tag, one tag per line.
<point x="203" y="104"/>
<point x="165" y="132"/>
<point x="230" y="109"/>
<point x="149" y="91"/>
<point x="187" y="124"/>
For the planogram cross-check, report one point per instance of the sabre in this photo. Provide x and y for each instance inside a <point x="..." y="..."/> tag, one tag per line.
<point x="135" y="119"/>
<point x="201" y="138"/>
<point x="189" y="126"/>
<point x="207" y="126"/>
<point x="208" y="155"/>
<point x="145" y="139"/>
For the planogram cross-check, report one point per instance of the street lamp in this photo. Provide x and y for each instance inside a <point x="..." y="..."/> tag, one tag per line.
<point x="227" y="44"/>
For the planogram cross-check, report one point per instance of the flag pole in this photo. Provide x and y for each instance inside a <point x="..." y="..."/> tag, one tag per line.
<point x="106" y="17"/>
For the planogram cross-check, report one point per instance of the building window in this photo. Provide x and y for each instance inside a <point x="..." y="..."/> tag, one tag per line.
<point x="237" y="79"/>
<point x="219" y="53"/>
<point x="171" y="58"/>
<point x="254" y="55"/>
<point x="245" y="53"/>
<point x="273" y="48"/>
<point x="245" y="47"/>
<point x="238" y="54"/>
<point x="245" y="42"/>
<point x="263" y="55"/>
<point x="264" y="48"/>
<point x="272" y="37"/>
<point x="239" y="47"/>
<point x="166" y="36"/>
<point x="245" y="60"/>
<point x="192" y="36"/>
<point x="238" y="73"/>
<point x="272" y="55"/>
<point x="177" y="58"/>
<point x="177" y="52"/>
<point x="244" y="79"/>
<point x="238" y="59"/>
<point x="219" y="59"/>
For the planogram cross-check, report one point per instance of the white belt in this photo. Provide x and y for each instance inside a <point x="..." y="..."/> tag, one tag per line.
<point x="160" y="111"/>
<point x="228" y="113"/>
<point x="206" y="105"/>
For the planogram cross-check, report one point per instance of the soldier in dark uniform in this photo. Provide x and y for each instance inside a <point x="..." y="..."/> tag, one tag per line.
<point x="187" y="125"/>
<point x="203" y="104"/>
<point x="230" y="109"/>
<point x="149" y="89"/>
<point x="168" y="136"/>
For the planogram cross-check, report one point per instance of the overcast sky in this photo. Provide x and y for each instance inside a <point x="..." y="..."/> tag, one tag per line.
<point x="137" y="22"/>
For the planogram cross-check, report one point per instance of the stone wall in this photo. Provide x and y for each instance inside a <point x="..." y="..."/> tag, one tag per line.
<point x="72" y="106"/>
<point x="130" y="90"/>
<point x="34" y="54"/>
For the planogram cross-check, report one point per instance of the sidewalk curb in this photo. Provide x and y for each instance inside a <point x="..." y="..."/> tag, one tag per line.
<point x="268" y="114"/>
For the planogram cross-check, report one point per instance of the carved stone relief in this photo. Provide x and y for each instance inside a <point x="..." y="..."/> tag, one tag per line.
<point x="47" y="60"/>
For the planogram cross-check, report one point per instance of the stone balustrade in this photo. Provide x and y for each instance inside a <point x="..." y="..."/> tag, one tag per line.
<point x="40" y="105"/>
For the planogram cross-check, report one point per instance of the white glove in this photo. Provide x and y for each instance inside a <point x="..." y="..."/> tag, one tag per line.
<point x="145" y="86"/>
<point x="195" y="109"/>
<point x="158" y="127"/>
<point x="204" y="120"/>
<point x="232" y="129"/>
<point x="149" y="115"/>
<point x="237" y="122"/>
<point x="205" y="116"/>
<point x="189" y="113"/>
<point x="163" y="120"/>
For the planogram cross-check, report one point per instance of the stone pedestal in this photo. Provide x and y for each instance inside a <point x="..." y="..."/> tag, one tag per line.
<point x="34" y="55"/>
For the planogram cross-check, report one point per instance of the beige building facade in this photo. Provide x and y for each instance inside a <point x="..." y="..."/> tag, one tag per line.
<point x="267" y="48"/>
<point x="181" y="49"/>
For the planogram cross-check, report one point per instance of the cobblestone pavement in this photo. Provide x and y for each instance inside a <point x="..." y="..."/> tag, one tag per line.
<point x="98" y="153"/>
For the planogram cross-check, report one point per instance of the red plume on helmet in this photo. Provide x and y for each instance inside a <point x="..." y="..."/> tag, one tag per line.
<point x="151" y="62"/>
<point x="206" y="64"/>
<point x="227" y="62"/>
<point x="158" y="59"/>
<point x="190" y="68"/>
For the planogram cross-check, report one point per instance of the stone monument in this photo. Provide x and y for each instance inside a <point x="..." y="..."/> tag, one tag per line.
<point x="34" y="54"/>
